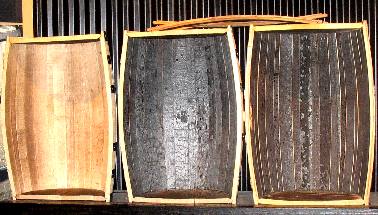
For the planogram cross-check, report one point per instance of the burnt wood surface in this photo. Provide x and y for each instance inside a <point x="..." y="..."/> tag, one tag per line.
<point x="310" y="110"/>
<point x="180" y="116"/>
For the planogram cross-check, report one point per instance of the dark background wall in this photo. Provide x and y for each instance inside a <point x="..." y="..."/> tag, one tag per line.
<point x="10" y="11"/>
<point x="68" y="17"/>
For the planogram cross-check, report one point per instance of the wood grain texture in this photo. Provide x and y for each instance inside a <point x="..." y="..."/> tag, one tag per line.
<point x="180" y="117"/>
<point x="311" y="89"/>
<point x="5" y="191"/>
<point x="243" y="20"/>
<point x="57" y="118"/>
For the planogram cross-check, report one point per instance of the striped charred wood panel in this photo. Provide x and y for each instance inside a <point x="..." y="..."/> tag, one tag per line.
<point x="310" y="109"/>
<point x="180" y="116"/>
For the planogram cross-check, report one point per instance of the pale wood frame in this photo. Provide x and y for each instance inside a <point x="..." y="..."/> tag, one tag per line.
<point x="27" y="18"/>
<point x="265" y="201"/>
<point x="108" y="188"/>
<point x="237" y="80"/>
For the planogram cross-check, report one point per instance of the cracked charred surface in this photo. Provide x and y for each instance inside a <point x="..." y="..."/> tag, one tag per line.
<point x="310" y="113"/>
<point x="180" y="116"/>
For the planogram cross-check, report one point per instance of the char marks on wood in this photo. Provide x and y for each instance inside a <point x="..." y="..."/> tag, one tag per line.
<point x="180" y="116"/>
<point x="311" y="113"/>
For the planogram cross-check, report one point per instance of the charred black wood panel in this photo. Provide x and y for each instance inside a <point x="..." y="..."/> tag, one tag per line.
<point x="180" y="116"/>
<point x="311" y="112"/>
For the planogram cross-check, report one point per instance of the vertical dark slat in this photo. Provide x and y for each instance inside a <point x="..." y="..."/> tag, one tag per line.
<point x="226" y="7"/>
<point x="209" y="9"/>
<point x="129" y="89"/>
<point x="262" y="112"/>
<point x="305" y="7"/>
<point x="349" y="11"/>
<point x="50" y="31"/>
<point x="315" y="97"/>
<point x="171" y="9"/>
<point x="256" y="8"/>
<point x="204" y="8"/>
<point x="185" y="10"/>
<point x="39" y="18"/>
<point x="362" y="13"/>
<point x="220" y="12"/>
<point x="125" y="15"/>
<point x="255" y="128"/>
<point x="304" y="111"/>
<point x="356" y="67"/>
<point x="296" y="112"/>
<point x="330" y="10"/>
<point x="147" y="14"/>
<point x="216" y="110"/>
<point x="232" y="108"/>
<point x="299" y="6"/>
<point x="179" y="5"/>
<point x="269" y="99"/>
<point x="312" y="6"/>
<point x="363" y="126"/>
<point x="337" y="11"/>
<point x="276" y="112"/>
<point x="325" y="111"/>
<point x="157" y="10"/>
<point x="103" y="15"/>
<point x="350" y="93"/>
<point x="115" y="60"/>
<point x="92" y="16"/>
<point x="196" y="9"/>
<point x="136" y="10"/>
<point x="190" y="9"/>
<point x="355" y="10"/>
<point x="229" y="10"/>
<point x="82" y="16"/>
<point x="293" y="11"/>
<point x="71" y="17"/>
<point x="343" y="10"/>
<point x="358" y="154"/>
<point x="335" y="112"/>
<point x="342" y="177"/>
<point x="285" y="113"/>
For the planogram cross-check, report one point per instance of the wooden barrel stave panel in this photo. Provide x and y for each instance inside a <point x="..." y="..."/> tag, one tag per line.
<point x="310" y="111"/>
<point x="180" y="116"/>
<point x="57" y="118"/>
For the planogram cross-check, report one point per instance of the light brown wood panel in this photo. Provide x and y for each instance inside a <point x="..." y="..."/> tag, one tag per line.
<point x="58" y="118"/>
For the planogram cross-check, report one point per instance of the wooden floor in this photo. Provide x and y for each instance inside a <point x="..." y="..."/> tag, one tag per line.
<point x="119" y="206"/>
<point x="104" y="208"/>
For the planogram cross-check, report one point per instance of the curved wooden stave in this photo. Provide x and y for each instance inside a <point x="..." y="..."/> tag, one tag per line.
<point x="242" y="19"/>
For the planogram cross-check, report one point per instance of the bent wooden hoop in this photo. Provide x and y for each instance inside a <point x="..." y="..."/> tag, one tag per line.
<point x="234" y="20"/>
